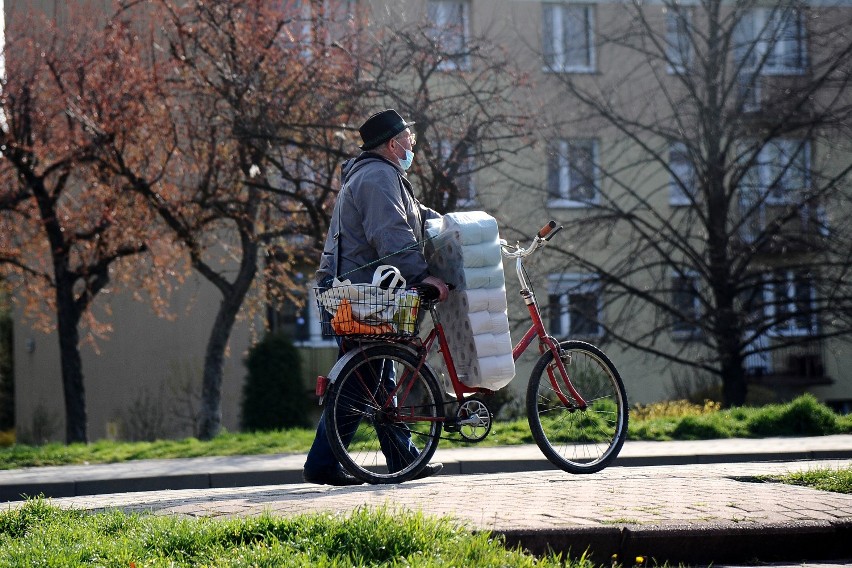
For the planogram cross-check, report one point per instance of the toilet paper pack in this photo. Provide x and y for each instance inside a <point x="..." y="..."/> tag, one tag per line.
<point x="464" y="250"/>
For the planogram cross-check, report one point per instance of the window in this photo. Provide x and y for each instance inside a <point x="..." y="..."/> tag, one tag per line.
<point x="779" y="176"/>
<point x="451" y="30"/>
<point x="748" y="91"/>
<point x="678" y="42"/>
<point x="682" y="185"/>
<point x="459" y="165"/>
<point x="568" y="37"/>
<point x="572" y="173"/>
<point x="574" y="306"/>
<point x="792" y="301"/>
<point x="771" y="41"/>
<point x="686" y="302"/>
<point x="318" y="23"/>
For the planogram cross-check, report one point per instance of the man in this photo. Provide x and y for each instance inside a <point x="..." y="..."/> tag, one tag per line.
<point x="376" y="220"/>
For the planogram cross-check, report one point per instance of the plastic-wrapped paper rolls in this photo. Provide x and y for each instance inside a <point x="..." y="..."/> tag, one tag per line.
<point x="490" y="344"/>
<point x="482" y="254"/>
<point x="483" y="277"/>
<point x="472" y="227"/>
<point x="485" y="300"/>
<point x="497" y="366"/>
<point x="464" y="250"/>
<point x="488" y="322"/>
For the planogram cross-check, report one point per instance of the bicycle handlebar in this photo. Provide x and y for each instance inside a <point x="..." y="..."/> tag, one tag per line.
<point x="545" y="234"/>
<point x="546" y="229"/>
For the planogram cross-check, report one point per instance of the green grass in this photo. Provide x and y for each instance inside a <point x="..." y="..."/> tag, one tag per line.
<point x="837" y="480"/>
<point x="804" y="416"/>
<point x="40" y="534"/>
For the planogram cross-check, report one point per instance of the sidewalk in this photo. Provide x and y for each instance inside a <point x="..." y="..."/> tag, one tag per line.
<point x="247" y="471"/>
<point x="693" y="502"/>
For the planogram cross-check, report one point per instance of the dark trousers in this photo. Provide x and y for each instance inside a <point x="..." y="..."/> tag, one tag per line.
<point x="374" y="384"/>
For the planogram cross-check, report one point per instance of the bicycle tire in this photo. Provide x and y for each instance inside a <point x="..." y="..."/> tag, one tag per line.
<point x="573" y="439"/>
<point x="364" y="427"/>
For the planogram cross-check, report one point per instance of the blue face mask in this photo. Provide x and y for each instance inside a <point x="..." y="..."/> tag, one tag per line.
<point x="406" y="162"/>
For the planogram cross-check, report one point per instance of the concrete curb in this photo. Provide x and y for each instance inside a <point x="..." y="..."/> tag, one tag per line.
<point x="693" y="544"/>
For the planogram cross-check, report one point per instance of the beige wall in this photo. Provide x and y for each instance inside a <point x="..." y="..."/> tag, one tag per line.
<point x="141" y="371"/>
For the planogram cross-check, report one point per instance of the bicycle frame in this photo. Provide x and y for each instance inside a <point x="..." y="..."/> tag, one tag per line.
<point x="536" y="330"/>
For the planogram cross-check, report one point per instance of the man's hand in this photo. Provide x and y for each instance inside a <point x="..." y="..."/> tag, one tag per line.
<point x="443" y="291"/>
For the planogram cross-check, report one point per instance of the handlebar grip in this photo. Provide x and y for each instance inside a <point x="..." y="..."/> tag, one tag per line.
<point x="546" y="229"/>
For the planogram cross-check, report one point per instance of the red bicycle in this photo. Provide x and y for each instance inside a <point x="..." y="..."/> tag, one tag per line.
<point x="387" y="408"/>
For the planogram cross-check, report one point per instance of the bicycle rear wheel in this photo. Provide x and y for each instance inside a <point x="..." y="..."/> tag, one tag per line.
<point x="575" y="439"/>
<point x="384" y="416"/>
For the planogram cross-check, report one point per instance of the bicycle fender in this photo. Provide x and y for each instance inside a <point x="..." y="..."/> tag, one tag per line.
<point x="338" y="366"/>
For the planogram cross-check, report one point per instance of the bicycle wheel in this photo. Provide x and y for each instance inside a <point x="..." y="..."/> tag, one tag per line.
<point x="578" y="440"/>
<point x="384" y="416"/>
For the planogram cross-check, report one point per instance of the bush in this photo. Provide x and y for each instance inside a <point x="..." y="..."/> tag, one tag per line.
<point x="804" y="416"/>
<point x="701" y="428"/>
<point x="273" y="395"/>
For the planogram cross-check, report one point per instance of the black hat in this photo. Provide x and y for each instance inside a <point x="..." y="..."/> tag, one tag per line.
<point x="381" y="127"/>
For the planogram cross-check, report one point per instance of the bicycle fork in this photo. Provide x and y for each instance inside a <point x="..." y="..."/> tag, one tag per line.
<point x="560" y="358"/>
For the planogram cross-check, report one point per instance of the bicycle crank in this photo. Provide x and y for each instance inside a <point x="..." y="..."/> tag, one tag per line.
<point x="473" y="420"/>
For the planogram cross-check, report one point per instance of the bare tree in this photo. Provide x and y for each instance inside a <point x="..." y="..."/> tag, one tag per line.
<point x="718" y="185"/>
<point x="468" y="97"/>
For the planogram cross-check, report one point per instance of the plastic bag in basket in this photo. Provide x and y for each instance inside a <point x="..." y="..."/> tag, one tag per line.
<point x="344" y="323"/>
<point x="375" y="302"/>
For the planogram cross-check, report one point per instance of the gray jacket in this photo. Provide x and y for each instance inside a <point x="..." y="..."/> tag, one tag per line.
<point x="378" y="217"/>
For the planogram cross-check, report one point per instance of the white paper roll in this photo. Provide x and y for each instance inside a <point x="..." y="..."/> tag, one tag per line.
<point x="482" y="254"/>
<point x="485" y="299"/>
<point x="474" y="227"/>
<point x="488" y="322"/>
<point x="485" y="277"/>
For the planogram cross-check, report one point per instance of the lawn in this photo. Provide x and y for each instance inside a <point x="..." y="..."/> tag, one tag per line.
<point x="40" y="534"/>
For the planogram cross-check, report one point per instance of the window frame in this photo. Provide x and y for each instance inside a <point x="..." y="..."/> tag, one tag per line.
<point x="563" y="286"/>
<point x="677" y="38"/>
<point x="466" y="170"/>
<point x="681" y="194"/>
<point x="770" y="52"/>
<point x="689" y="330"/>
<point x="561" y="151"/>
<point x="792" y="281"/>
<point x="440" y="30"/>
<point x="757" y="189"/>
<point x="556" y="37"/>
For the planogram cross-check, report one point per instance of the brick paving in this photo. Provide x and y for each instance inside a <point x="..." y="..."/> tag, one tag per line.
<point x="718" y="494"/>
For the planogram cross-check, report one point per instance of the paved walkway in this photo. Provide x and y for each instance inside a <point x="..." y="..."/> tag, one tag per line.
<point x="691" y="506"/>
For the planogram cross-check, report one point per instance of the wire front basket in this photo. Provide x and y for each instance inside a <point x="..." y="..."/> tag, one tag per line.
<point x="368" y="310"/>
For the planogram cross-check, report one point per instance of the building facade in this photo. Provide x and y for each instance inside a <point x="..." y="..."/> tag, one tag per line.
<point x="582" y="168"/>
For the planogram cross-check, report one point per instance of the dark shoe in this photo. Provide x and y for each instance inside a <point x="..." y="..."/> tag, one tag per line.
<point x="336" y="477"/>
<point x="429" y="470"/>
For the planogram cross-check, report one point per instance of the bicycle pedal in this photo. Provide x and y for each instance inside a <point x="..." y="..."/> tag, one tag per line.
<point x="452" y="427"/>
<point x="322" y="385"/>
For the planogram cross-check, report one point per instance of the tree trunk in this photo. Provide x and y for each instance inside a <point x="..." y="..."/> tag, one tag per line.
<point x="734" y="387"/>
<point x="72" y="366"/>
<point x="214" y="358"/>
<point x="214" y="368"/>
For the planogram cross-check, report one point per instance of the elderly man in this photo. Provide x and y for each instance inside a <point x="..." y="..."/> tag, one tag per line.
<point x="376" y="220"/>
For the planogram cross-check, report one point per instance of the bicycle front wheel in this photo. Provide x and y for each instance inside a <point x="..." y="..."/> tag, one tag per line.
<point x="573" y="438"/>
<point x="384" y="416"/>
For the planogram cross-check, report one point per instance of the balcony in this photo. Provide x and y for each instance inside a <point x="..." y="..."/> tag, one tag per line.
<point x="789" y="364"/>
<point x="785" y="228"/>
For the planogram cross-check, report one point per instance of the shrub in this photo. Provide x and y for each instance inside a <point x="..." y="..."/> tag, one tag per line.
<point x="273" y="395"/>
<point x="804" y="416"/>
<point x="701" y="428"/>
